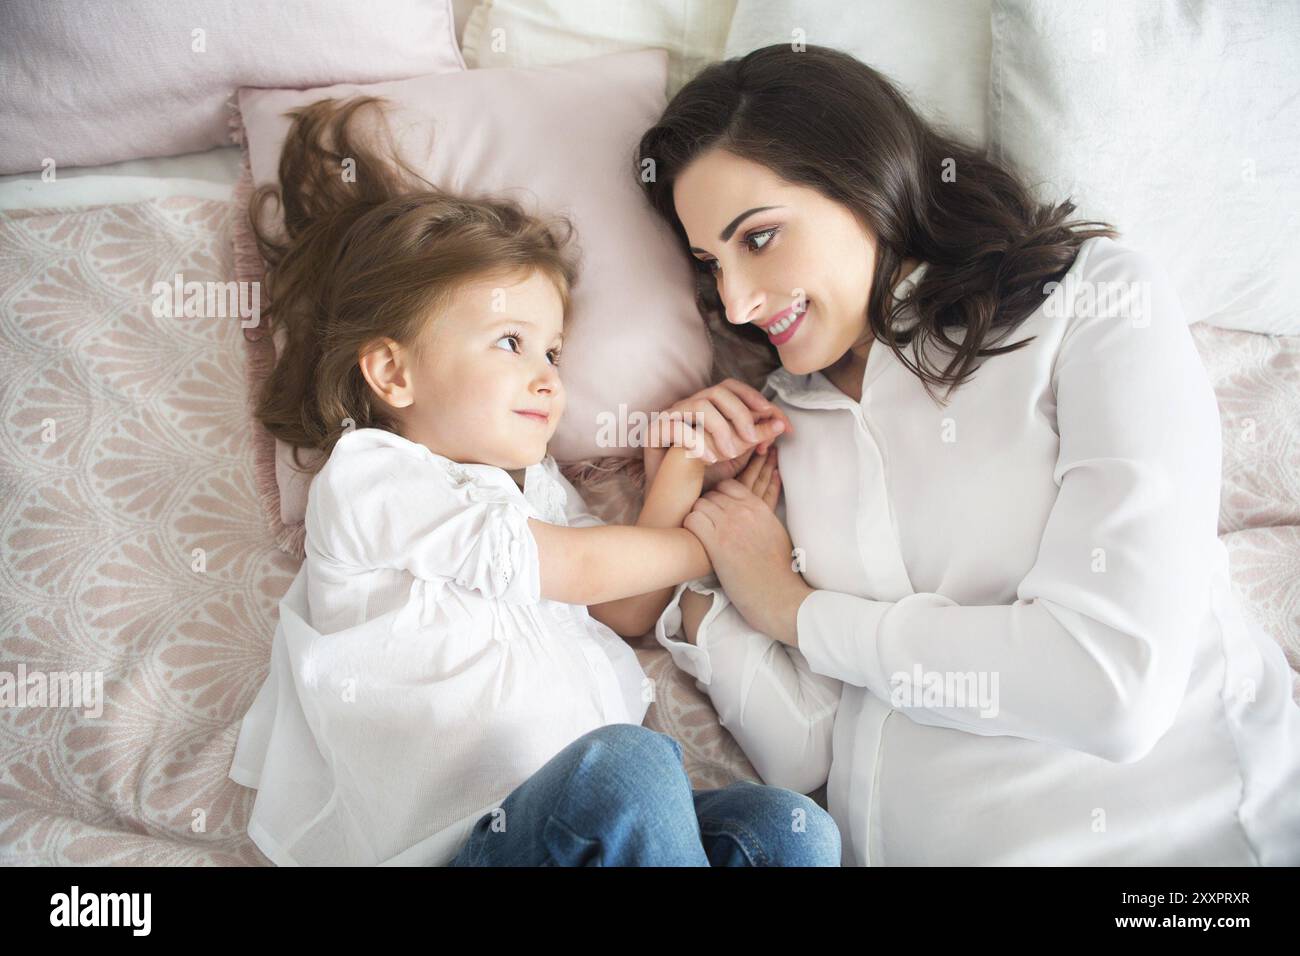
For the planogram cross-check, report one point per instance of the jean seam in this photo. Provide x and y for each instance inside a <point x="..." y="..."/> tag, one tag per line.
<point x="588" y="841"/>
<point x="743" y="838"/>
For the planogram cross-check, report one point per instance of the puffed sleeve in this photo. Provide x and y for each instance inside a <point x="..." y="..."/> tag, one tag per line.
<point x="376" y="505"/>
<point x="576" y="512"/>
<point x="1095" y="654"/>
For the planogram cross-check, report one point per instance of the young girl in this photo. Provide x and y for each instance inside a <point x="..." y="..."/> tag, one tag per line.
<point x="446" y="682"/>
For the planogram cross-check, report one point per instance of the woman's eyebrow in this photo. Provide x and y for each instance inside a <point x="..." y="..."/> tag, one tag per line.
<point x="725" y="235"/>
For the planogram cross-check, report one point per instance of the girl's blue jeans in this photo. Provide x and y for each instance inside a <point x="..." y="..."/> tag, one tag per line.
<point x="619" y="796"/>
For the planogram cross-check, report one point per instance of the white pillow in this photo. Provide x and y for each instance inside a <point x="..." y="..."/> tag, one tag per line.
<point x="936" y="51"/>
<point x="1177" y="122"/>
<point x="504" y="33"/>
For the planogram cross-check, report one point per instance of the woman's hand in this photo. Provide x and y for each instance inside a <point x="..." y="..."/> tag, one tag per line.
<point x="724" y="423"/>
<point x="762" y="476"/>
<point x="750" y="551"/>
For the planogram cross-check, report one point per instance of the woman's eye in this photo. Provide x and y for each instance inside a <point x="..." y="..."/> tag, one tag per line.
<point x="711" y="265"/>
<point x="767" y="235"/>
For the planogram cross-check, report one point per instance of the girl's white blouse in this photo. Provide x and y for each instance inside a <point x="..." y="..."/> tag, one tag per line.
<point x="1023" y="647"/>
<point x="417" y="675"/>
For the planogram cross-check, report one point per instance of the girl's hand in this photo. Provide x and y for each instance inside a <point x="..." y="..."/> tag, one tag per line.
<point x="724" y="423"/>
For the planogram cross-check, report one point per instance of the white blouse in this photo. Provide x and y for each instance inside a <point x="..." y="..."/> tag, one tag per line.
<point x="1023" y="647"/>
<point x="417" y="675"/>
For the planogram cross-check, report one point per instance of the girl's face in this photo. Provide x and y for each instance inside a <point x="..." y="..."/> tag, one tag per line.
<point x="485" y="363"/>
<point x="779" y="252"/>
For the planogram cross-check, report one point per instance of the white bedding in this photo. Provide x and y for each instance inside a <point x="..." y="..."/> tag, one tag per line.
<point x="206" y="175"/>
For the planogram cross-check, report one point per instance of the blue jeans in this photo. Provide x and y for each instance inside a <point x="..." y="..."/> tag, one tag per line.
<point x="619" y="796"/>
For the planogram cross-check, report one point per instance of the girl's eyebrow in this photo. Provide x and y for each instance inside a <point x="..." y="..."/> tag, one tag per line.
<point x="725" y="235"/>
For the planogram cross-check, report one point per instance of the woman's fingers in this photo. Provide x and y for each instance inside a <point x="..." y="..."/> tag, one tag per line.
<point x="708" y="509"/>
<point x="736" y="412"/>
<point x="694" y="442"/>
<point x="752" y="470"/>
<point x="735" y="418"/>
<point x="768" y="430"/>
<point x="723" y="437"/>
<point x="763" y="477"/>
<point x="668" y="430"/>
<point x="699" y="524"/>
<point x="774" y="492"/>
<point x="754" y="399"/>
<point x="730" y="488"/>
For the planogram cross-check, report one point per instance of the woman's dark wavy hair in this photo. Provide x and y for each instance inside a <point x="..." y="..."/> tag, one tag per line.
<point x="821" y="118"/>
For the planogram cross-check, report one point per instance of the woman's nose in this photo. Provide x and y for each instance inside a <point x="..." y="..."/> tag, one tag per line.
<point x="741" y="299"/>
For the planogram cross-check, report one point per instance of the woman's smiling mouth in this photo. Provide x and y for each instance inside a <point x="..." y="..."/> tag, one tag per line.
<point x="787" y="323"/>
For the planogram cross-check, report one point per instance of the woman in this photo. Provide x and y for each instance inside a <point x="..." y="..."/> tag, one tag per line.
<point x="1007" y="634"/>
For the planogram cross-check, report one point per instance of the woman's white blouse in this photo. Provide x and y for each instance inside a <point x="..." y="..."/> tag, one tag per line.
<point x="417" y="675"/>
<point x="1023" y="647"/>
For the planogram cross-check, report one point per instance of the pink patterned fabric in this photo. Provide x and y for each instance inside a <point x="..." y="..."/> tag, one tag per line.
<point x="151" y="456"/>
<point x="1257" y="381"/>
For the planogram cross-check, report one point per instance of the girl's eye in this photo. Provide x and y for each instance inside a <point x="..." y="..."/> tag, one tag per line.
<point x="710" y="265"/>
<point x="518" y="337"/>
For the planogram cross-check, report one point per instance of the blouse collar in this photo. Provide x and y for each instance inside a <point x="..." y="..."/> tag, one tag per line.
<point x="474" y="473"/>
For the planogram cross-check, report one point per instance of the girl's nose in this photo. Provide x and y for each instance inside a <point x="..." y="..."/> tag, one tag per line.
<point x="547" y="379"/>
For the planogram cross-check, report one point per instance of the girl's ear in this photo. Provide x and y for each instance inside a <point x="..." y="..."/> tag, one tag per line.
<point x="386" y="367"/>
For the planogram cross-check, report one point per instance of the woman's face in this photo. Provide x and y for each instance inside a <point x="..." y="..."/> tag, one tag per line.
<point x="779" y="251"/>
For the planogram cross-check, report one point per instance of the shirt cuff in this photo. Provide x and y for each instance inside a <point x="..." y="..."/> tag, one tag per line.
<point x="691" y="658"/>
<point x="837" y="635"/>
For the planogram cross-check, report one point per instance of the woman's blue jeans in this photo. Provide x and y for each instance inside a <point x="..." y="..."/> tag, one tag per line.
<point x="619" y="796"/>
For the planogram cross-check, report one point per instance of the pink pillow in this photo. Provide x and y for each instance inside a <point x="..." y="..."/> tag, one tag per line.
<point x="87" y="83"/>
<point x="558" y="139"/>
